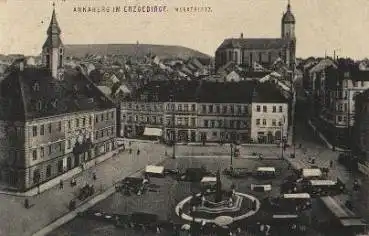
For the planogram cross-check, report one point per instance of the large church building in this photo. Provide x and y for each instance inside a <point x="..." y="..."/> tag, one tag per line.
<point x="263" y="51"/>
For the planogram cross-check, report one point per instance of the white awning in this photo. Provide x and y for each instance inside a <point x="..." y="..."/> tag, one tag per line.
<point x="311" y="172"/>
<point x="296" y="195"/>
<point x="207" y="179"/>
<point x="154" y="169"/>
<point x="266" y="169"/>
<point x="285" y="216"/>
<point x="153" y="132"/>
<point x="323" y="182"/>
<point x="267" y="187"/>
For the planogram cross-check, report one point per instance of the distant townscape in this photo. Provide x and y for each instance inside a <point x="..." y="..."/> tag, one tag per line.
<point x="95" y="114"/>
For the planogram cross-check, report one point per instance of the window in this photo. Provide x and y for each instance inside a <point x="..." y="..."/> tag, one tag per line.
<point x="264" y="122"/>
<point x="69" y="144"/>
<point x="60" y="126"/>
<point x="218" y="109"/>
<point x="83" y="122"/>
<point x="362" y="83"/>
<point x="274" y="123"/>
<point x="186" y="121"/>
<point x="232" y="109"/>
<point x="34" y="131"/>
<point x="212" y="123"/>
<point x="69" y="124"/>
<point x="355" y="83"/>
<point x="280" y="109"/>
<point x="239" y="109"/>
<point x="203" y="108"/>
<point x="339" y="118"/>
<point x="77" y="122"/>
<point x="101" y="117"/>
<point x="258" y="108"/>
<point x="265" y="109"/>
<point x="60" y="147"/>
<point x="34" y="155"/>
<point x="193" y="107"/>
<point x="257" y="121"/>
<point x="96" y="119"/>
<point x="42" y="130"/>
<point x="210" y="108"/>
<point x="193" y="122"/>
<point x="185" y="107"/>
<point x="206" y="123"/>
<point x="42" y="152"/>
<point x="106" y="116"/>
<point x="280" y="123"/>
<point x="50" y="128"/>
<point x="48" y="171"/>
<point x="167" y="107"/>
<point x="231" y="123"/>
<point x="215" y="134"/>
<point x="224" y="109"/>
<point x="179" y="107"/>
<point x="245" y="109"/>
<point x="274" y="109"/>
<point x="39" y="105"/>
<point x="50" y="149"/>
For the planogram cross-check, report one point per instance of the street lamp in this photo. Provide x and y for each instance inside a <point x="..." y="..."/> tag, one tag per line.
<point x="231" y="167"/>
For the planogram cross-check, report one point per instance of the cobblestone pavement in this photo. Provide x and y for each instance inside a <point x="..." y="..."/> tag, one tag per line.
<point x="170" y="192"/>
<point x="53" y="203"/>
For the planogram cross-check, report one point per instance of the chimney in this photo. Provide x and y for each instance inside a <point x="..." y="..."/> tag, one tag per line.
<point x="241" y="36"/>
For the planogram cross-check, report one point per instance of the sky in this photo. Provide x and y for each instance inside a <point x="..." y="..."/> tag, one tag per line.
<point x="322" y="26"/>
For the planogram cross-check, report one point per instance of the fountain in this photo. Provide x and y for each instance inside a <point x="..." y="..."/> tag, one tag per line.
<point x="217" y="205"/>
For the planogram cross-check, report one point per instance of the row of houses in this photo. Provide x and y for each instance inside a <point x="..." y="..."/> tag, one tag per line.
<point x="200" y="111"/>
<point x="337" y="91"/>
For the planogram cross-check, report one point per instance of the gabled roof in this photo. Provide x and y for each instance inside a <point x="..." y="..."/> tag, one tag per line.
<point x="254" y="43"/>
<point x="323" y="64"/>
<point x="34" y="93"/>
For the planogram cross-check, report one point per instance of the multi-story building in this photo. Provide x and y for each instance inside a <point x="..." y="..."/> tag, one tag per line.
<point x="264" y="51"/>
<point x="269" y="121"/>
<point x="51" y="120"/>
<point x="224" y="111"/>
<point x="361" y="127"/>
<point x="334" y="92"/>
<point x="199" y="111"/>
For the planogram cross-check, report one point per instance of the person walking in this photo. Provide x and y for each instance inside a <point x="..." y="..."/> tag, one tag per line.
<point x="26" y="203"/>
<point x="61" y="184"/>
<point x="94" y="176"/>
<point x="138" y="151"/>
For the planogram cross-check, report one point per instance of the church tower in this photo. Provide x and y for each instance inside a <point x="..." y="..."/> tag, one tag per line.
<point x="53" y="49"/>
<point x="288" y="33"/>
<point x="288" y="24"/>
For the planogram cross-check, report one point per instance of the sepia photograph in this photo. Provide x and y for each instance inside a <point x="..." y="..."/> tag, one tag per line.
<point x="184" y="118"/>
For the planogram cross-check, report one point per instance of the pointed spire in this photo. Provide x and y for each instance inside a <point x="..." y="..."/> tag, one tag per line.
<point x="54" y="26"/>
<point x="289" y="6"/>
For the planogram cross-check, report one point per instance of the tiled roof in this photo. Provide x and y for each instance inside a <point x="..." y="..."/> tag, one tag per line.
<point x="223" y="92"/>
<point x="268" y="93"/>
<point x="254" y="43"/>
<point x="210" y="92"/>
<point x="33" y="93"/>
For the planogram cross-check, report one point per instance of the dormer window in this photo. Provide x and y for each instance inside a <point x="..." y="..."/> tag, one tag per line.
<point x="36" y="87"/>
<point x="61" y="51"/>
